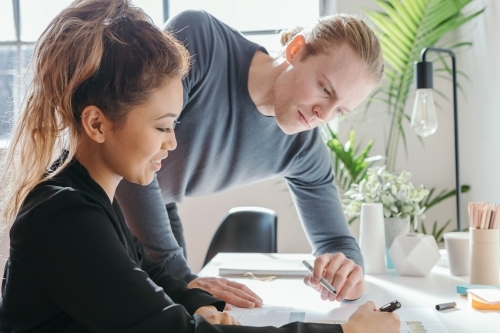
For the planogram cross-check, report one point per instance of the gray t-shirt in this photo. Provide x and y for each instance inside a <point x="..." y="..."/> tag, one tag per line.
<point x="225" y="142"/>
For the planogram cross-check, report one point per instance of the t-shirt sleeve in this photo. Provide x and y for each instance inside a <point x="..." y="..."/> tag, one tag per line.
<point x="81" y="262"/>
<point x="317" y="199"/>
<point x="147" y="218"/>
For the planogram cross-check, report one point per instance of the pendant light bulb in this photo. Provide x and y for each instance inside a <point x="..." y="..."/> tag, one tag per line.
<point x="423" y="119"/>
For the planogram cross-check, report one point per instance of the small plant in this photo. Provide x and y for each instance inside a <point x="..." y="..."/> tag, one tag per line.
<point x="395" y="191"/>
<point x="437" y="233"/>
<point x="350" y="162"/>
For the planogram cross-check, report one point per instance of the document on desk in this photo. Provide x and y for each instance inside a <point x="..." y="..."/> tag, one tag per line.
<point x="413" y="320"/>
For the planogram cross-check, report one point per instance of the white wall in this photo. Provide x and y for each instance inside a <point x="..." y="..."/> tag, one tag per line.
<point x="480" y="110"/>
<point x="202" y="215"/>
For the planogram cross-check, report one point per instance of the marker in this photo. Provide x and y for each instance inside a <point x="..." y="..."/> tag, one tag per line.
<point x="445" y="306"/>
<point x="390" y="307"/>
<point x="323" y="281"/>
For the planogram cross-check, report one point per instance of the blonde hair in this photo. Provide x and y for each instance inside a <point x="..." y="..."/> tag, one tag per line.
<point x="333" y="31"/>
<point x="103" y="53"/>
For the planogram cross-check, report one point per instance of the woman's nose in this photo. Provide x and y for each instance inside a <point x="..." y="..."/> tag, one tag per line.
<point x="170" y="143"/>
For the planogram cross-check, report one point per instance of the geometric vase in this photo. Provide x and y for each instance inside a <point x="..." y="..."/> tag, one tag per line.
<point x="372" y="238"/>
<point x="414" y="254"/>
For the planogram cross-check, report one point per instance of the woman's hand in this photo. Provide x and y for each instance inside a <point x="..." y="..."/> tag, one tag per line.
<point x="214" y="317"/>
<point x="367" y="319"/>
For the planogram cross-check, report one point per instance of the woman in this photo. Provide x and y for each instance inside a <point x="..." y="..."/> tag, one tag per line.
<point x="103" y="104"/>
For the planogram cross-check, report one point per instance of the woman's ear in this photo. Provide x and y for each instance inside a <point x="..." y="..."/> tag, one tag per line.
<point x="294" y="47"/>
<point x="95" y="124"/>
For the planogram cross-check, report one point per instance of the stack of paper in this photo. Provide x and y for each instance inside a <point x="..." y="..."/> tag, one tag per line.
<point x="484" y="299"/>
<point x="264" y="267"/>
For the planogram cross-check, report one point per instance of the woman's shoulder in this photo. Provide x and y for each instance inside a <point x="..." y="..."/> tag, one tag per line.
<point x="51" y="203"/>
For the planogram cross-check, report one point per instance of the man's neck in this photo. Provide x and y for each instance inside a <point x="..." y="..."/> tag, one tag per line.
<point x="264" y="70"/>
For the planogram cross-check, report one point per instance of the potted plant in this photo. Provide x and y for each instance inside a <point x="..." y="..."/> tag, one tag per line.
<point x="400" y="199"/>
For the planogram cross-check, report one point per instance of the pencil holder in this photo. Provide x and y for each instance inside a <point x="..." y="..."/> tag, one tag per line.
<point x="484" y="256"/>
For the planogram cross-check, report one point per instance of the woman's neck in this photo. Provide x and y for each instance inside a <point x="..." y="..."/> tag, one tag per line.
<point x="98" y="170"/>
<point x="264" y="70"/>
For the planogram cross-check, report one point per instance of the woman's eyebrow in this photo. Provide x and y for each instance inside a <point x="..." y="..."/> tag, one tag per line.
<point x="172" y="115"/>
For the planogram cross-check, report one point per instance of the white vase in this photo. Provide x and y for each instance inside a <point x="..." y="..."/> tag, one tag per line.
<point x="372" y="238"/>
<point x="394" y="226"/>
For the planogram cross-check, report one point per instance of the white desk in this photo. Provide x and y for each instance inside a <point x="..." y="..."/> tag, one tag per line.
<point x="413" y="292"/>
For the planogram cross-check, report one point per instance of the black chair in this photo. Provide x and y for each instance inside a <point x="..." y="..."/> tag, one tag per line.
<point x="245" y="229"/>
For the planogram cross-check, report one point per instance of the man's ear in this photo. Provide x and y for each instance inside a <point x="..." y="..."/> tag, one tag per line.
<point x="95" y="124"/>
<point x="294" y="47"/>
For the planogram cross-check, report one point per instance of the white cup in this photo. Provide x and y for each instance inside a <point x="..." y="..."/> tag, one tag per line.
<point x="457" y="246"/>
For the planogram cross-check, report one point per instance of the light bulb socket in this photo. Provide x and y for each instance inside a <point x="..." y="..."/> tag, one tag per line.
<point x="423" y="75"/>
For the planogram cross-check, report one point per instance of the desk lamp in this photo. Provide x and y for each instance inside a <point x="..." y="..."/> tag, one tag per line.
<point x="424" y="119"/>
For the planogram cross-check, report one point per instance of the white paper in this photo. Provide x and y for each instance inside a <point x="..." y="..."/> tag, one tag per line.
<point x="413" y="320"/>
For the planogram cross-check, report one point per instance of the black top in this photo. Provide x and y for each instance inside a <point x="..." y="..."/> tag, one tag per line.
<point x="75" y="267"/>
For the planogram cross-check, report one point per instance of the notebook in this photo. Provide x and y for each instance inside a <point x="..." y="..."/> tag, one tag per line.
<point x="489" y="296"/>
<point x="278" y="267"/>
<point x="484" y="299"/>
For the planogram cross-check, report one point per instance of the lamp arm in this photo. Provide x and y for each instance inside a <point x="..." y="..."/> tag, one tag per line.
<point x="455" y="123"/>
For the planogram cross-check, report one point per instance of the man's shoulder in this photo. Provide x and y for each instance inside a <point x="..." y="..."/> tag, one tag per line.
<point x="188" y="19"/>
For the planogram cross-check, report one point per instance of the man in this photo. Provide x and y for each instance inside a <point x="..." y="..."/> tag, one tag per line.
<point x="248" y="117"/>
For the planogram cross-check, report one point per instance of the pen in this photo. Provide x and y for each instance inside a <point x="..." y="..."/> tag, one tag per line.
<point x="445" y="306"/>
<point x="323" y="281"/>
<point x="391" y="306"/>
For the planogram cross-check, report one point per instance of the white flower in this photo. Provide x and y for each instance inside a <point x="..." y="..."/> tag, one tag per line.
<point x="397" y="194"/>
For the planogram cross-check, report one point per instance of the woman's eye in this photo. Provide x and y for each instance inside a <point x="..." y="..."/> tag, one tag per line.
<point x="164" y="130"/>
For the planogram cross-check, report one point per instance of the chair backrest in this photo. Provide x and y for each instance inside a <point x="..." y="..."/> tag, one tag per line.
<point x="245" y="229"/>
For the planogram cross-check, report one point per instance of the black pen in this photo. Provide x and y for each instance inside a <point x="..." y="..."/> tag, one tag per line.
<point x="323" y="281"/>
<point x="389" y="307"/>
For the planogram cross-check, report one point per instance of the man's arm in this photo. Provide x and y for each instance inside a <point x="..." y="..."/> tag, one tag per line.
<point x="317" y="200"/>
<point x="147" y="218"/>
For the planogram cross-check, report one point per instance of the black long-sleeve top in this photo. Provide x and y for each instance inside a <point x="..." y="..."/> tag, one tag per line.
<point x="75" y="267"/>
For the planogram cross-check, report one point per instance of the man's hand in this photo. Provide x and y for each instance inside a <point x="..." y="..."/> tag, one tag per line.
<point x="344" y="275"/>
<point x="229" y="291"/>
<point x="215" y="317"/>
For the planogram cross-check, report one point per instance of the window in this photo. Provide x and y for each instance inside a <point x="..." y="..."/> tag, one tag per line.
<point x="257" y="19"/>
<point x="23" y="21"/>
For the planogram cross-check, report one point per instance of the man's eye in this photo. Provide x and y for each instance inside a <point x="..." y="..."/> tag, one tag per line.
<point x="326" y="91"/>
<point x="175" y="123"/>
